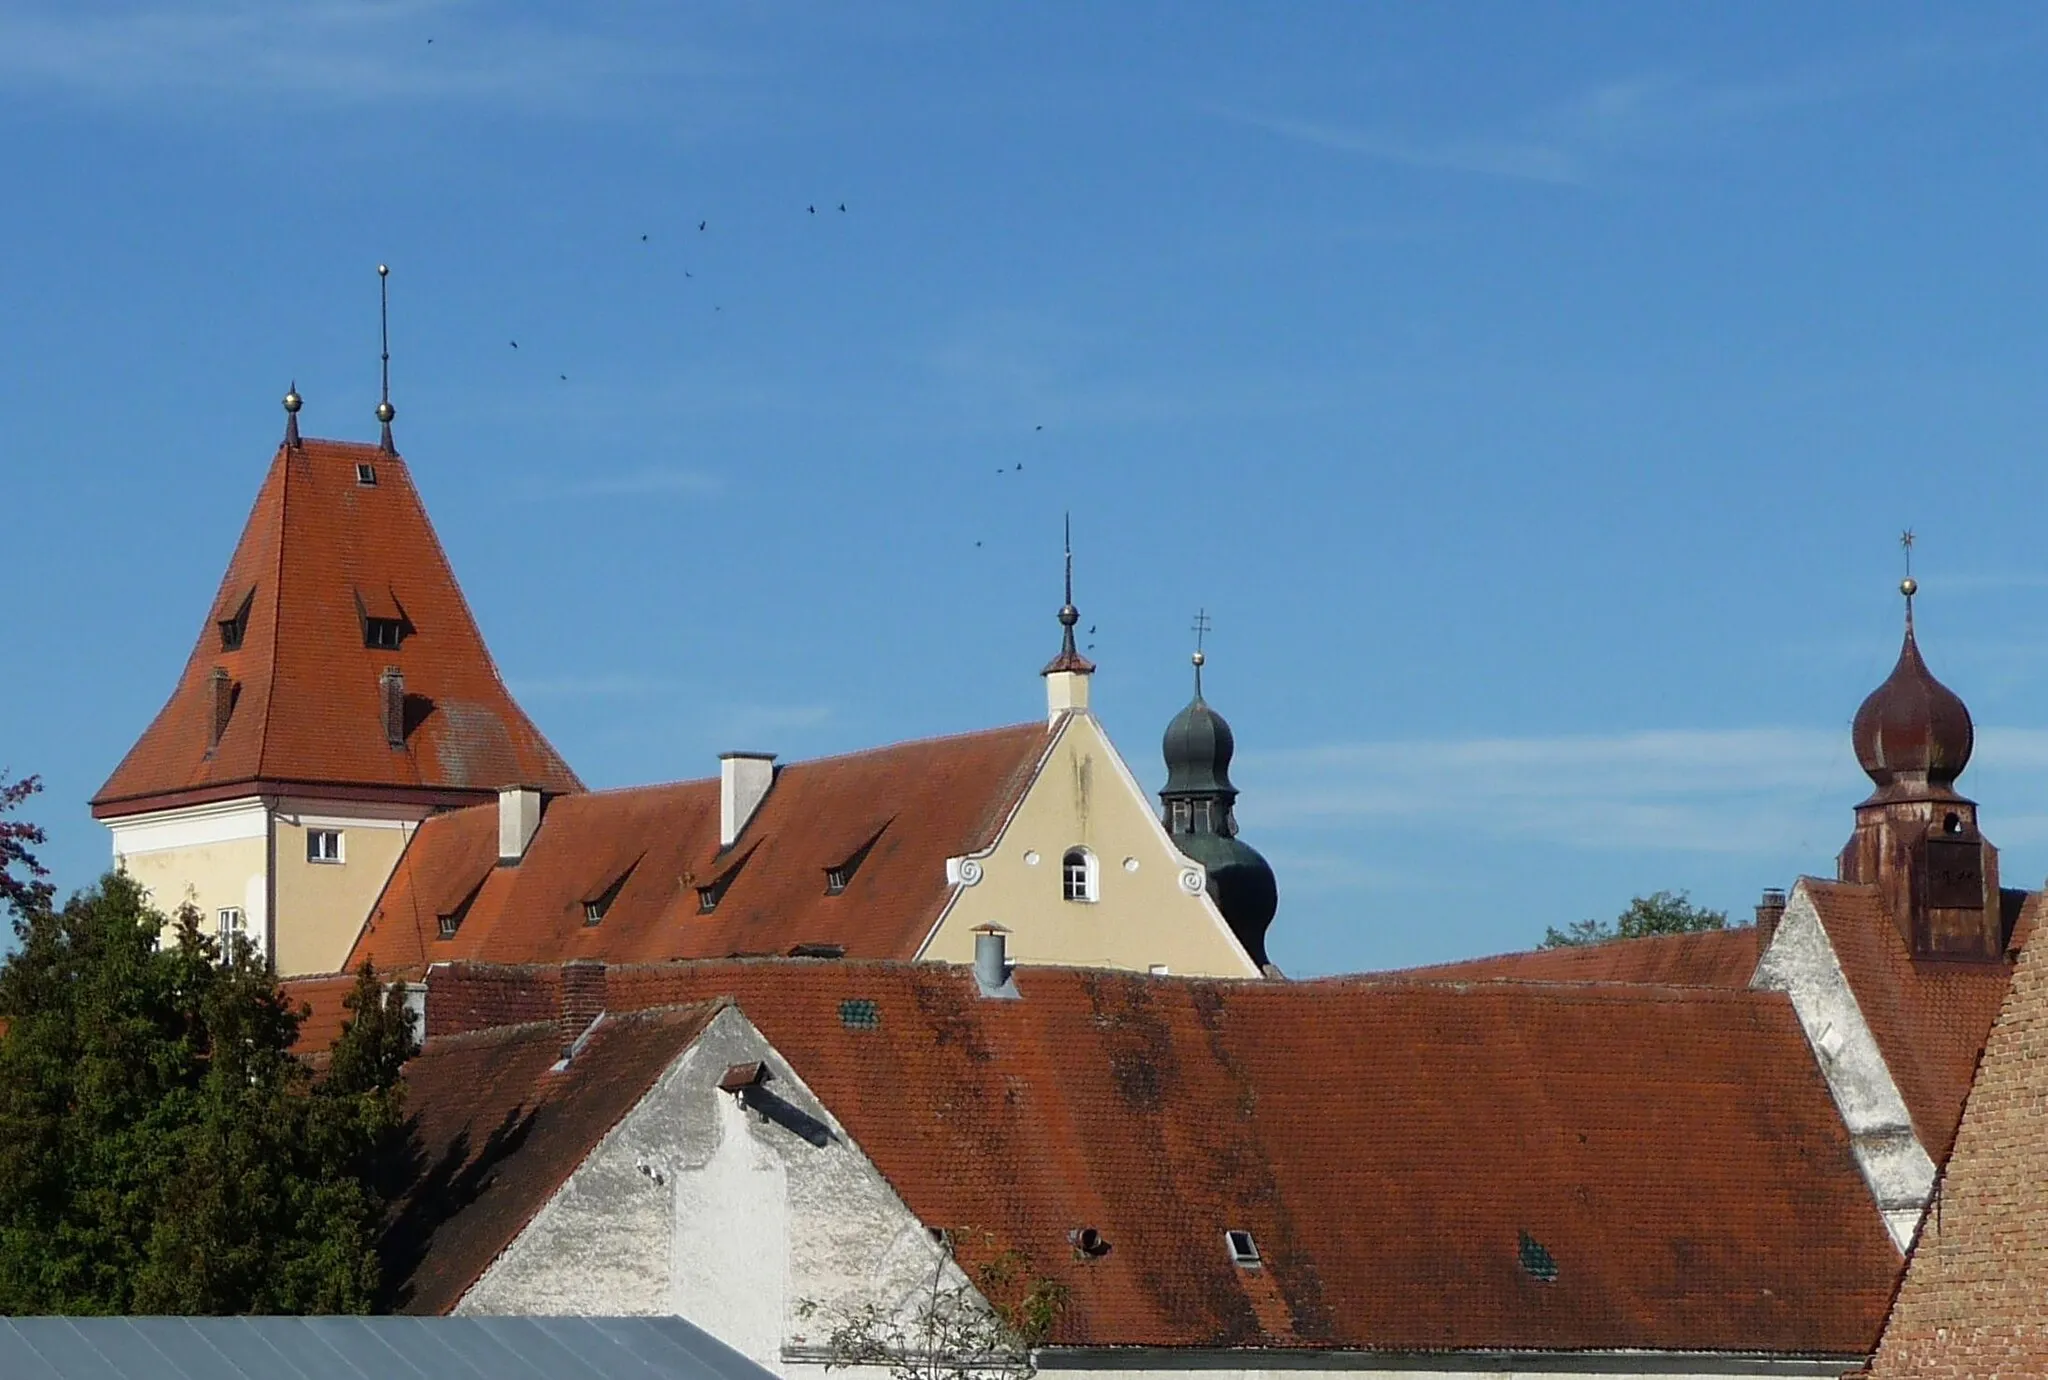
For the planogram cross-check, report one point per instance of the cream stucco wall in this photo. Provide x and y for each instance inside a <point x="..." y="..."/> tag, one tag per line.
<point x="211" y="856"/>
<point x="1152" y="908"/>
<point x="321" y="906"/>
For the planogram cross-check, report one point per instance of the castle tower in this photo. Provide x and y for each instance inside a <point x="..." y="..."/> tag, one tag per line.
<point x="338" y="694"/>
<point x="1916" y="838"/>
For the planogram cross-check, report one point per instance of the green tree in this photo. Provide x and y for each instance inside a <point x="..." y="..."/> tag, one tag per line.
<point x="161" y="1148"/>
<point x="1662" y="912"/>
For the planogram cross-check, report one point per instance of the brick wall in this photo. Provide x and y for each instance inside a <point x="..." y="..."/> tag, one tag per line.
<point x="1975" y="1297"/>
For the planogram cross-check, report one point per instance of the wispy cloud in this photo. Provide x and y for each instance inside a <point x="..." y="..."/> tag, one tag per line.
<point x="1716" y="791"/>
<point x="1640" y="115"/>
<point x="1520" y="160"/>
<point x="1754" y="791"/>
<point x="652" y="482"/>
<point x="349" y="52"/>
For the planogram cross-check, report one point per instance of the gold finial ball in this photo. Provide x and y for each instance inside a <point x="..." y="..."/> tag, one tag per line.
<point x="1909" y="586"/>
<point x="383" y="270"/>
<point x="1199" y="659"/>
<point x="385" y="412"/>
<point x="292" y="401"/>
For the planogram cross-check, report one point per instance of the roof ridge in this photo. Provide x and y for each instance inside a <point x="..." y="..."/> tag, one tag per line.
<point x="284" y="490"/>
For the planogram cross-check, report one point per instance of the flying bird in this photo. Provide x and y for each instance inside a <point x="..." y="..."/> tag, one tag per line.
<point x="515" y="344"/>
<point x="565" y="378"/>
<point x="842" y="206"/>
<point x="977" y="543"/>
<point x="1020" y="464"/>
<point x="702" y="223"/>
<point x="1039" y="427"/>
<point x="1091" y="630"/>
<point x="814" y="210"/>
<point x="643" y="239"/>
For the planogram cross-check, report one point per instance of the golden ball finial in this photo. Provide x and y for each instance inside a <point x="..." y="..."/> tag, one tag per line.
<point x="383" y="270"/>
<point x="385" y="412"/>
<point x="292" y="401"/>
<point x="1199" y="659"/>
<point x="1909" y="586"/>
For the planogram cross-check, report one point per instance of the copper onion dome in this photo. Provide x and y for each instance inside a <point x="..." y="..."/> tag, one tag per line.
<point x="1912" y="730"/>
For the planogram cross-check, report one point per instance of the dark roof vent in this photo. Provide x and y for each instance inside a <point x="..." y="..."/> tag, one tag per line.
<point x="860" y="1013"/>
<point x="817" y="951"/>
<point x="1087" y="1241"/>
<point x="1537" y="1262"/>
<point x="1243" y="1250"/>
<point x="739" y="1077"/>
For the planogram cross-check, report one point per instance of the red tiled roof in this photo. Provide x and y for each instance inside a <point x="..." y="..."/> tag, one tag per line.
<point x="320" y="552"/>
<point x="919" y="802"/>
<point x="1930" y="1017"/>
<point x="499" y="1133"/>
<point x="1710" y="958"/>
<point x="1388" y="1144"/>
<point x="1975" y="1297"/>
<point x="324" y="997"/>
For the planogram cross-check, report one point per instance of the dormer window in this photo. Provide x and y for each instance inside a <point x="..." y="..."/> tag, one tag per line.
<point x="1078" y="875"/>
<point x="366" y="475"/>
<point x="385" y="633"/>
<point x="451" y="922"/>
<point x="708" y="897"/>
<point x="233" y="629"/>
<point x="599" y="906"/>
<point x="836" y="878"/>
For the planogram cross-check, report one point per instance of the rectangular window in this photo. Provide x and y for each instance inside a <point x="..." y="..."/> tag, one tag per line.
<point x="385" y="633"/>
<point x="1180" y="817"/>
<point x="450" y="924"/>
<point x="323" y="845"/>
<point x="366" y="475"/>
<point x="1203" y="820"/>
<point x="835" y="880"/>
<point x="228" y="923"/>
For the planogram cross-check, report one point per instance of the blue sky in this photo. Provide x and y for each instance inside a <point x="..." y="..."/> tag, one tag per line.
<point x="1533" y="395"/>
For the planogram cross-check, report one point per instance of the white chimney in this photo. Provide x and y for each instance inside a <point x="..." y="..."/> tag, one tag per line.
<point x="743" y="780"/>
<point x="518" y="820"/>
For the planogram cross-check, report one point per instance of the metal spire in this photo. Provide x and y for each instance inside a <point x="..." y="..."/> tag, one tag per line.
<point x="1908" y="586"/>
<point x="292" y="403"/>
<point x="1201" y="630"/>
<point x="385" y="411"/>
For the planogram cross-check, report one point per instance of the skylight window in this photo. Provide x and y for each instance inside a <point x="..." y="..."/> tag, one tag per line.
<point x="860" y="1013"/>
<point x="1243" y="1250"/>
<point x="366" y="475"/>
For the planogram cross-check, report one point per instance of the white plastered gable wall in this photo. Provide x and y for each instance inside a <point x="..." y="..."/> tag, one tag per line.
<point x="1153" y="910"/>
<point x="1801" y="963"/>
<point x="696" y="1206"/>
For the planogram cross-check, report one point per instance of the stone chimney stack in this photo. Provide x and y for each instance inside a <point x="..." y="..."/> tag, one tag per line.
<point x="392" y="683"/>
<point x="743" y="782"/>
<point x="519" y="810"/>
<point x="1769" y="911"/>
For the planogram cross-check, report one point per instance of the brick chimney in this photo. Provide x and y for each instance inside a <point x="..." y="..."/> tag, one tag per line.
<point x="583" y="997"/>
<point x="1769" y="911"/>
<point x="392" y="682"/>
<point x="221" y="698"/>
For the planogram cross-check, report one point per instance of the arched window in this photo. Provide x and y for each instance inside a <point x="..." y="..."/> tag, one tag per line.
<point x="1078" y="875"/>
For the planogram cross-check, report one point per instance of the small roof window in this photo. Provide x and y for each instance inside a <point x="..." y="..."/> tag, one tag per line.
<point x="366" y="475"/>
<point x="597" y="907"/>
<point x="860" y="1013"/>
<point x="836" y="878"/>
<point x="236" y="626"/>
<point x="1537" y="1262"/>
<point x="1243" y="1250"/>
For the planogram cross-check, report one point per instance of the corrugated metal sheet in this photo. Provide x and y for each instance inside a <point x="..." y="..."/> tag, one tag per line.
<point x="366" y="1349"/>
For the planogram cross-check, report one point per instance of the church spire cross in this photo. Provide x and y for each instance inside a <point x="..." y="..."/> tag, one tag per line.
<point x="1200" y="628"/>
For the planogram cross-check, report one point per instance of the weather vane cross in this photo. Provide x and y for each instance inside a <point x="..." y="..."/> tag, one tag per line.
<point x="1906" y="545"/>
<point x="1200" y="627"/>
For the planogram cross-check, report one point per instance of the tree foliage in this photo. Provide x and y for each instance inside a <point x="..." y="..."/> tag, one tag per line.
<point x="161" y="1148"/>
<point x="21" y="876"/>
<point x="983" y="1326"/>
<point x="1662" y="912"/>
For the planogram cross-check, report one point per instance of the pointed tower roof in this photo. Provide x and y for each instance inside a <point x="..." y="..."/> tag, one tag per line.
<point x="337" y="583"/>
